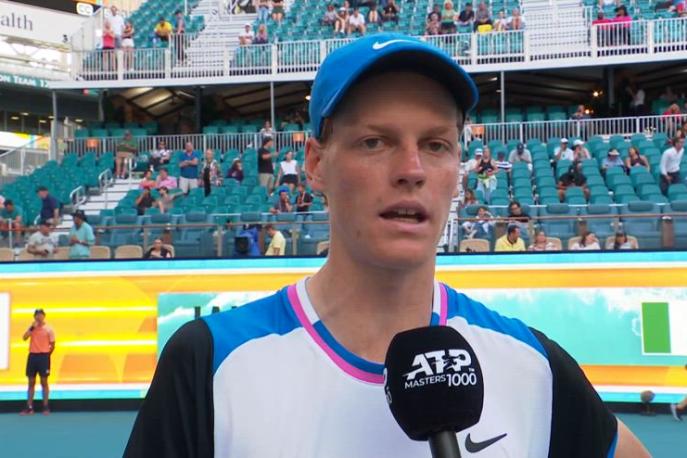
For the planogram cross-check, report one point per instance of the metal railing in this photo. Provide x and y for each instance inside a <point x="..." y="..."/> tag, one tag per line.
<point x="23" y="160"/>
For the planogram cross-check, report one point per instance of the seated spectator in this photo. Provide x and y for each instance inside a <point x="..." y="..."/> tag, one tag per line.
<point x="166" y="200"/>
<point x="246" y="36"/>
<point x="144" y="201"/>
<point x="236" y="170"/>
<point x="472" y="164"/>
<point x="126" y="151"/>
<point x="467" y="16"/>
<point x="81" y="237"/>
<point x="588" y="242"/>
<point x="304" y="199"/>
<point x="390" y="12"/>
<point x="563" y="152"/>
<point x="329" y="18"/>
<point x="211" y="174"/>
<point x="263" y="10"/>
<point x="670" y="164"/>
<point x="433" y="27"/>
<point x="164" y="180"/>
<point x="373" y="16"/>
<point x="9" y="215"/>
<point x="147" y="181"/>
<point x="341" y="23"/>
<point x="573" y="178"/>
<point x="43" y="242"/>
<point x="435" y="14"/>
<point x="511" y="241"/>
<point x="277" y="246"/>
<point x="160" y="156"/>
<point x="542" y="243"/>
<point x="283" y="204"/>
<point x="621" y="242"/>
<point x="501" y="22"/>
<point x="635" y="159"/>
<point x="448" y="16"/>
<point x="482" y="227"/>
<point x="580" y="113"/>
<point x="483" y="21"/>
<point x="580" y="152"/>
<point x="469" y="198"/>
<point x="517" y="216"/>
<point x="50" y="207"/>
<point x="502" y="163"/>
<point x="521" y="154"/>
<point x="356" y="23"/>
<point x="188" y="169"/>
<point x="157" y="251"/>
<point x="486" y="173"/>
<point x="604" y="3"/>
<point x="516" y="21"/>
<point x="289" y="171"/>
<point x="261" y="38"/>
<point x="612" y="160"/>
<point x="278" y="11"/>
<point x="163" y="30"/>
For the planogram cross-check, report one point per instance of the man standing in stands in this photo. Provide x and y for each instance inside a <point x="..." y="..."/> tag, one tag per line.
<point x="265" y="165"/>
<point x="189" y="169"/>
<point x="117" y="23"/>
<point x="277" y="246"/>
<point x="41" y="346"/>
<point x="81" y="237"/>
<point x="670" y="164"/>
<point x="50" y="207"/>
<point x="126" y="150"/>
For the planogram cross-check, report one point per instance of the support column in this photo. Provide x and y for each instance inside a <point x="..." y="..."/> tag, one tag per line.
<point x="610" y="88"/>
<point x="272" y="110"/>
<point x="503" y="97"/>
<point x="199" y="108"/>
<point x="101" y="109"/>
<point x="54" y="127"/>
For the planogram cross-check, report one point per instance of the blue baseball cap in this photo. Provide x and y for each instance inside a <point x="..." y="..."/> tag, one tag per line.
<point x="346" y="65"/>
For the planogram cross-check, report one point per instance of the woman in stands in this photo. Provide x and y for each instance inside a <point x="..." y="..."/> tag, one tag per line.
<point x="621" y="242"/>
<point x="278" y="11"/>
<point x="501" y="22"/>
<point x="236" y="171"/>
<point x="542" y="243"/>
<point x="486" y="173"/>
<point x="147" y="181"/>
<point x="448" y="18"/>
<point x="635" y="159"/>
<point x="587" y="242"/>
<point x="128" y="45"/>
<point x="341" y="21"/>
<point x="109" y="63"/>
<point x="261" y="38"/>
<point x="289" y="171"/>
<point x="211" y="172"/>
<point x="157" y="251"/>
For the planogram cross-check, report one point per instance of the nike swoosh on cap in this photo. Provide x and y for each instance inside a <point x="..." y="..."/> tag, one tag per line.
<point x="474" y="447"/>
<point x="377" y="45"/>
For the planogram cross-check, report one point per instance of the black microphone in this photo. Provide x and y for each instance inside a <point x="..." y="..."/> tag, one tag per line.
<point x="434" y="386"/>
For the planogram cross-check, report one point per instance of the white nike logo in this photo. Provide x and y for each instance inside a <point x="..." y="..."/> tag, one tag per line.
<point x="377" y="46"/>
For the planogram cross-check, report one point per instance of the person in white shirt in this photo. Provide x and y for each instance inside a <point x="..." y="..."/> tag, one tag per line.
<point x="267" y="131"/>
<point x="501" y="23"/>
<point x="580" y="152"/>
<point x="43" y="242"/>
<point x="247" y="35"/>
<point x="670" y="164"/>
<point x="471" y="165"/>
<point x="160" y="156"/>
<point x="521" y="154"/>
<point x="117" y="23"/>
<point x="563" y="152"/>
<point x="588" y="242"/>
<point x="289" y="171"/>
<point x="356" y="22"/>
<point x="516" y="21"/>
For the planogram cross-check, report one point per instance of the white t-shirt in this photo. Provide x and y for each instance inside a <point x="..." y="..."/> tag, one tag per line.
<point x="42" y="242"/>
<point x="289" y="167"/>
<point x="117" y="23"/>
<point x="639" y="98"/>
<point x="249" y="34"/>
<point x="592" y="246"/>
<point x="356" y="21"/>
<point x="277" y="243"/>
<point x="670" y="160"/>
<point x="567" y="154"/>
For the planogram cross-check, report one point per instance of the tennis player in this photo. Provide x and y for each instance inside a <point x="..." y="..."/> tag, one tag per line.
<point x="299" y="374"/>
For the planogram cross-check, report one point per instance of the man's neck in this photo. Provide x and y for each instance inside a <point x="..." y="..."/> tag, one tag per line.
<point x="365" y="306"/>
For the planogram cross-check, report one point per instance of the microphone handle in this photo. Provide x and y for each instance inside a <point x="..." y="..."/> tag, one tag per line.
<point x="444" y="445"/>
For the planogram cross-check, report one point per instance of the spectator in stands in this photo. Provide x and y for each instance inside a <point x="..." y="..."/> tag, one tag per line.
<point x="448" y="17"/>
<point x="144" y="201"/>
<point x="580" y="113"/>
<point x="502" y="163"/>
<point x="542" y="243"/>
<point x="283" y="204"/>
<point x="160" y="156"/>
<point x="562" y="152"/>
<point x="166" y="200"/>
<point x="261" y="38"/>
<point x="356" y="23"/>
<point x="501" y="22"/>
<point x="266" y="131"/>
<point x="604" y="3"/>
<point x="637" y="107"/>
<point x="9" y="214"/>
<point x="390" y="12"/>
<point x="511" y="241"/>
<point x="466" y="16"/>
<point x="486" y="173"/>
<point x="671" y="115"/>
<point x="211" y="172"/>
<point x="50" y="207"/>
<point x="164" y="180"/>
<point x="432" y="28"/>
<point x="469" y="198"/>
<point x="329" y="18"/>
<point x="587" y="242"/>
<point x="163" y="30"/>
<point x="304" y="199"/>
<point x="278" y="11"/>
<point x="157" y="251"/>
<point x="573" y="178"/>
<point x="147" y="181"/>
<point x="247" y="35"/>
<point x="188" y="167"/>
<point x="42" y="243"/>
<point x="517" y="216"/>
<point x="373" y="16"/>
<point x="81" y="237"/>
<point x="128" y="45"/>
<point x="435" y="14"/>
<point x="277" y="246"/>
<point x="621" y="242"/>
<point x="635" y="159"/>
<point x="126" y="150"/>
<point x="109" y="57"/>
<point x="472" y="164"/>
<point x="482" y="227"/>
<point x="516" y="21"/>
<point x="603" y="31"/>
<point x="670" y="164"/>
<point x="263" y="10"/>
<point x="117" y="23"/>
<point x="341" y="23"/>
<point x="483" y="21"/>
<point x="236" y="170"/>
<point x="265" y="165"/>
<point x="289" y="171"/>
<point x="521" y="154"/>
<point x="580" y="152"/>
<point x="611" y="160"/>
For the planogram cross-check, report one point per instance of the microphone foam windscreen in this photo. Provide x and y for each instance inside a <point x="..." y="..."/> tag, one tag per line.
<point x="433" y="381"/>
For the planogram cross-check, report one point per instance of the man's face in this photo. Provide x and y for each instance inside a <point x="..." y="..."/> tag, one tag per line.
<point x="679" y="144"/>
<point x="44" y="229"/>
<point x="42" y="194"/>
<point x="40" y="318"/>
<point x="481" y="212"/>
<point x="163" y="174"/>
<point x="114" y="10"/>
<point x="564" y="145"/>
<point x="389" y="169"/>
<point x="514" y="235"/>
<point x="283" y="196"/>
<point x="515" y="210"/>
<point x="189" y="148"/>
<point x="9" y="207"/>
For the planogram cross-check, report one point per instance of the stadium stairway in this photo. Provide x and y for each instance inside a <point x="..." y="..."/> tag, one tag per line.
<point x="557" y="28"/>
<point x="106" y="200"/>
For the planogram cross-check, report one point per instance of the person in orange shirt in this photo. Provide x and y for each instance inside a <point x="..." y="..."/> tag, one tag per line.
<point x="41" y="346"/>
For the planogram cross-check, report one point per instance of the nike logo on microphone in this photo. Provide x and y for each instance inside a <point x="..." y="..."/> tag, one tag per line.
<point x="377" y="45"/>
<point x="474" y="447"/>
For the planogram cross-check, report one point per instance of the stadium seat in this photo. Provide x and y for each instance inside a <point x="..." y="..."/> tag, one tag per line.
<point x="647" y="230"/>
<point x="559" y="228"/>
<point x="128" y="252"/>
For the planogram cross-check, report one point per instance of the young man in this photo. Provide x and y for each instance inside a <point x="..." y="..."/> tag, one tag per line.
<point x="299" y="373"/>
<point x="277" y="246"/>
<point x="43" y="242"/>
<point x="50" y="207"/>
<point x="41" y="346"/>
<point x="10" y="216"/>
<point x="188" y="169"/>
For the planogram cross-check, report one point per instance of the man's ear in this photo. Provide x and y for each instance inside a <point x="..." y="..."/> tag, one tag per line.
<point x="313" y="164"/>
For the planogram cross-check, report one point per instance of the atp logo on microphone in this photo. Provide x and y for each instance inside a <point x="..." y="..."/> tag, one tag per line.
<point x="453" y="367"/>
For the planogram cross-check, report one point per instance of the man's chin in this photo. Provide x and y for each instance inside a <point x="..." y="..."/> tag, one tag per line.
<point x="403" y="256"/>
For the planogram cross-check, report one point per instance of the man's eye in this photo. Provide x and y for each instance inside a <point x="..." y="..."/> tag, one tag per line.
<point x="438" y="147"/>
<point x="372" y="143"/>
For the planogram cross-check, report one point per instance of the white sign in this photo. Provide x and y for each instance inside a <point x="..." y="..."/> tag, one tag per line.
<point x="4" y="331"/>
<point x="39" y="24"/>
